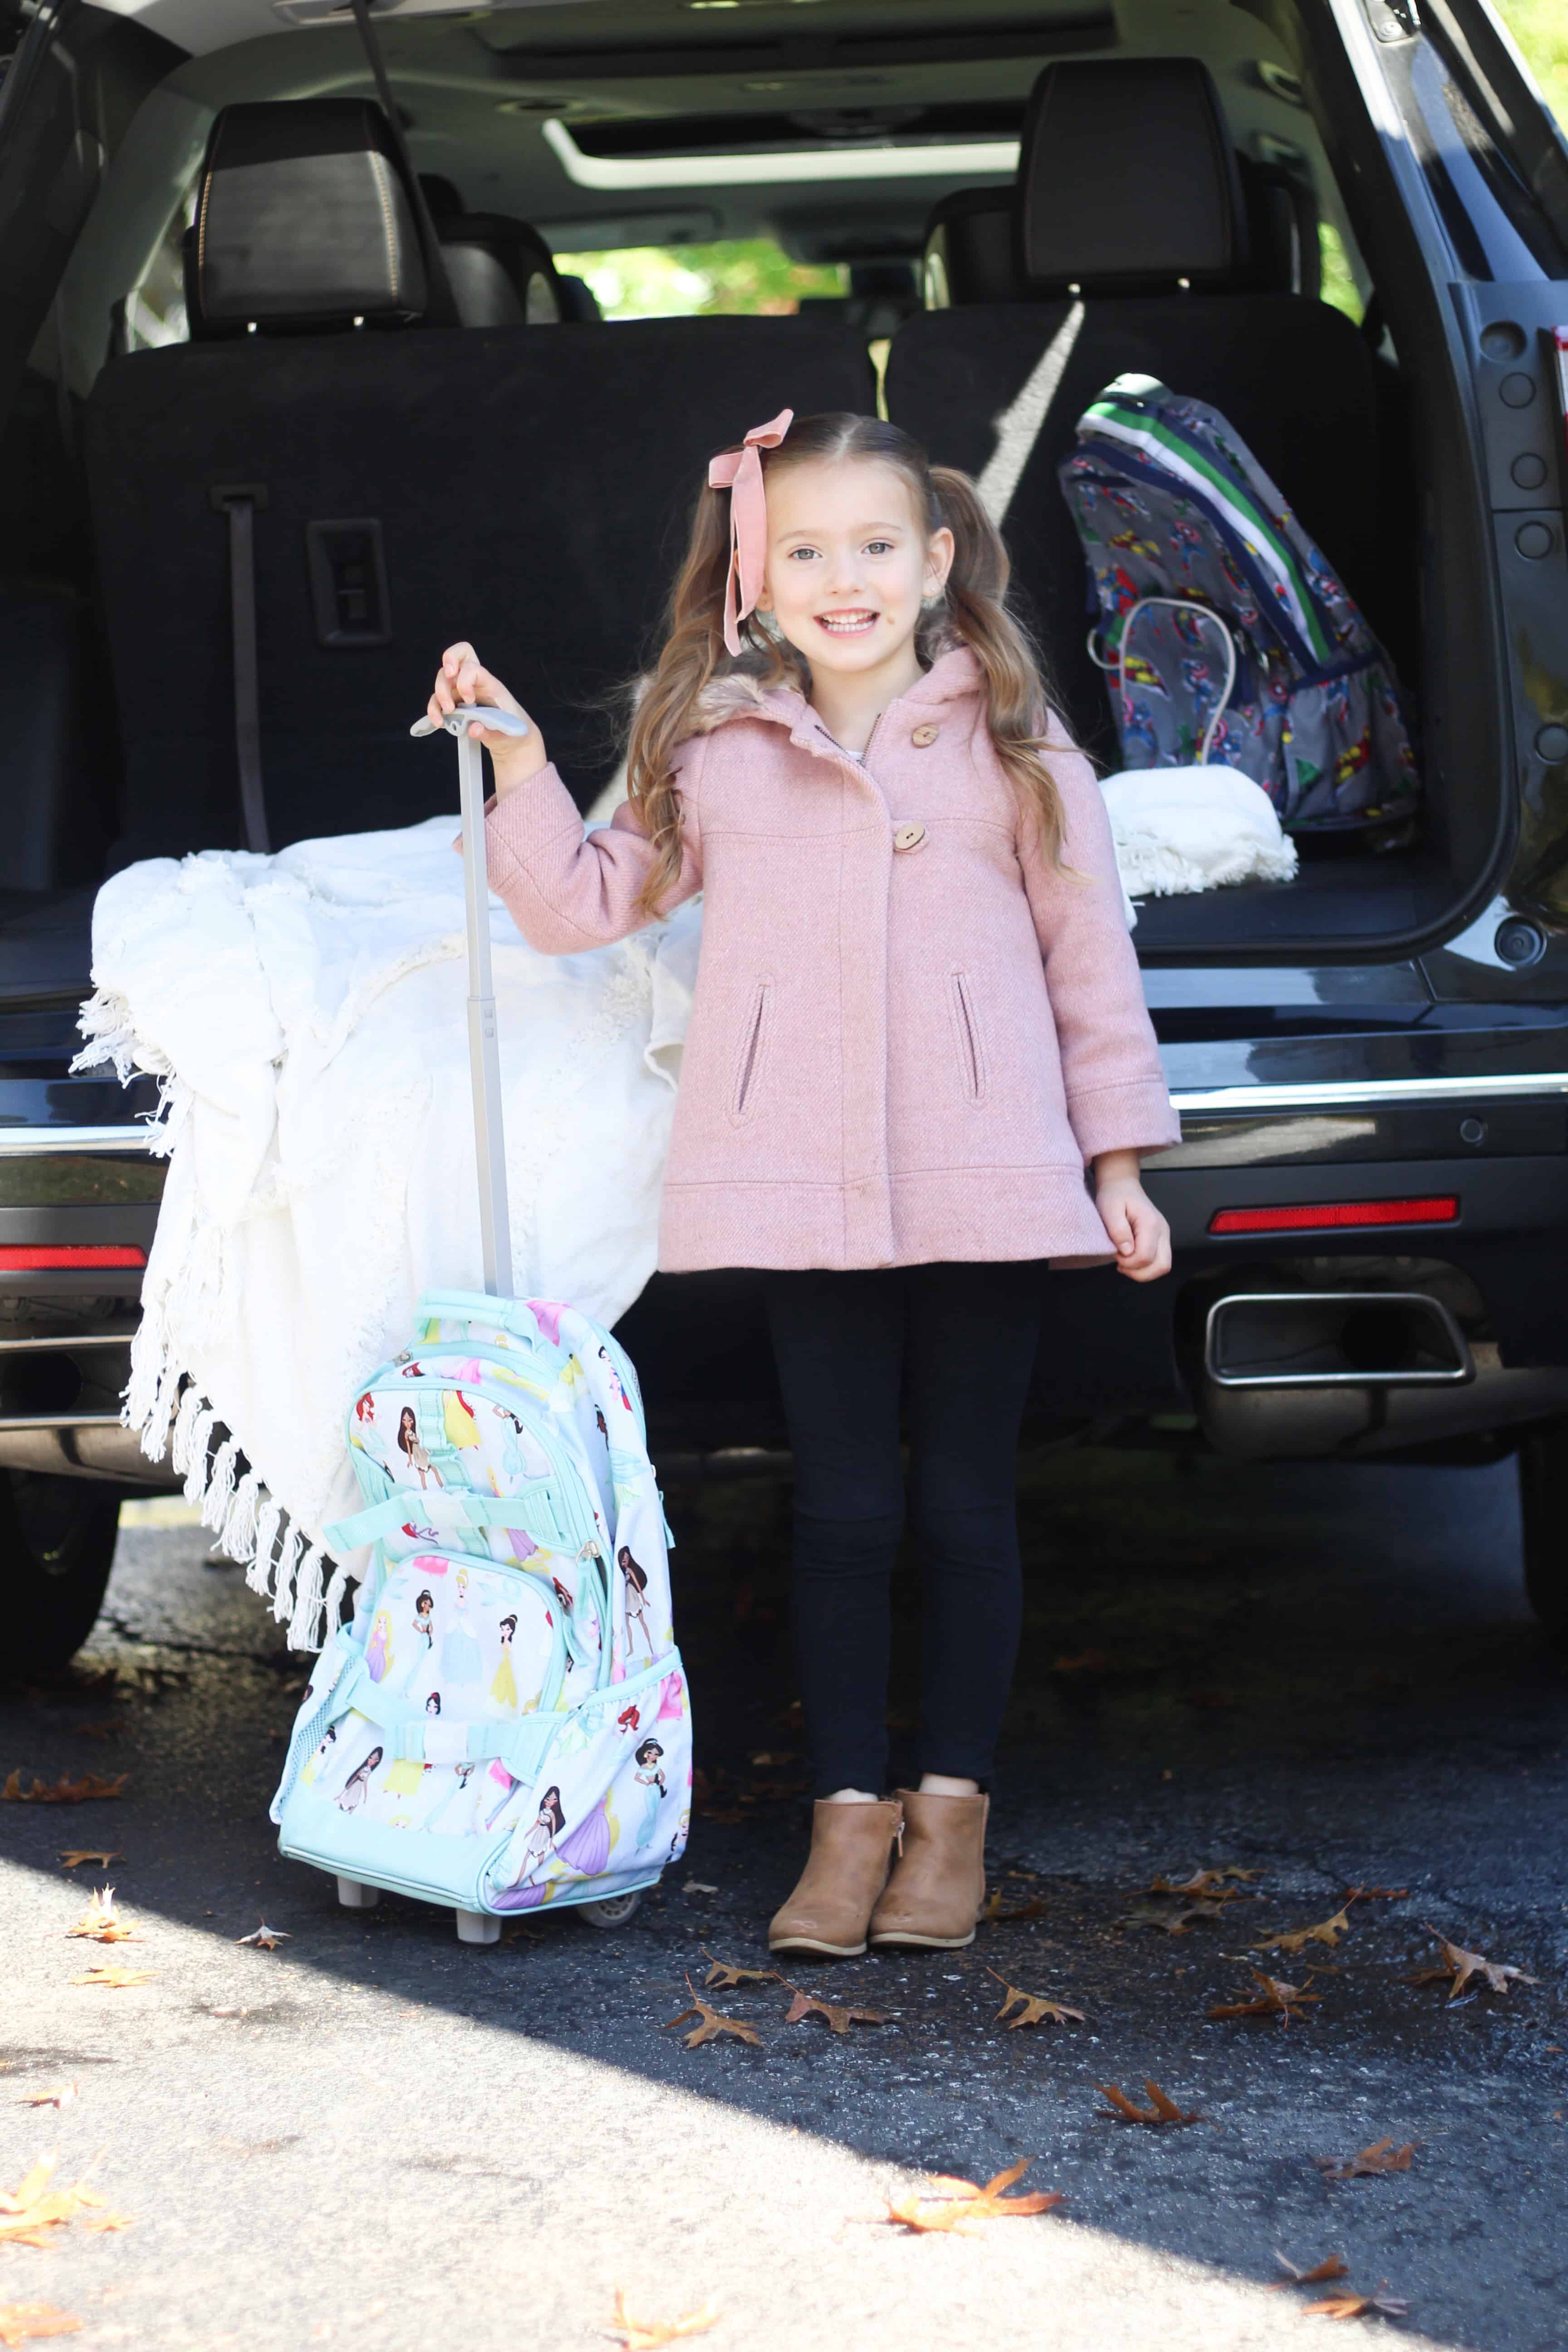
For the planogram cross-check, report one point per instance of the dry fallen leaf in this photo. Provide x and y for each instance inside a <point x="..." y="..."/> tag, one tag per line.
<point x="74" y="1856"/>
<point x="60" y="2098"/>
<point x="100" y="1921"/>
<point x="840" y="2016"/>
<point x="644" y="2334"/>
<point x="1332" y="2267"/>
<point x="1276" y="1999"/>
<point x="960" y="2203"/>
<point x="29" y="2212"/>
<point x="1173" y="1917"/>
<point x="1033" y="2009"/>
<point x="102" y="2220"/>
<point x="710" y="2027"/>
<point x="1033" y="1909"/>
<point x="269" y="1939"/>
<point x="1162" y="2108"/>
<point x="1462" y="1966"/>
<point x="1327" y="1931"/>
<point x="1371" y="2163"/>
<point x="19" y="2320"/>
<point x="63" y="1792"/>
<point x="1209" y="1883"/>
<point x="727" y="1976"/>
<point x="1351" y="2305"/>
<point x="1375" y="1894"/>
<point x="111" y="1980"/>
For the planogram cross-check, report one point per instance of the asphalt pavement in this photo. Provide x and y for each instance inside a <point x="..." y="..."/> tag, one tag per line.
<point x="1324" y="1677"/>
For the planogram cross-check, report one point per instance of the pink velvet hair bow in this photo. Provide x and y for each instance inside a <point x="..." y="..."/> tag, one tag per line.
<point x="740" y="471"/>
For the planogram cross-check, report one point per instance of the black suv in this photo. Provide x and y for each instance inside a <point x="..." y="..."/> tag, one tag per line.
<point x="258" y="334"/>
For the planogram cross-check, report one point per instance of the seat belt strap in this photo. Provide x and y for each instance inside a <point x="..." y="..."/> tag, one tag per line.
<point x="442" y="304"/>
<point x="239" y="501"/>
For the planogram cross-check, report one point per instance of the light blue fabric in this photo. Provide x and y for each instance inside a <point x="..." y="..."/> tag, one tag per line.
<point x="475" y="1736"/>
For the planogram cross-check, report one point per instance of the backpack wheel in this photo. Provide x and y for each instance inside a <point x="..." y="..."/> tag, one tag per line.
<point x="476" y="1928"/>
<point x="354" y="1895"/>
<point x="613" y="1912"/>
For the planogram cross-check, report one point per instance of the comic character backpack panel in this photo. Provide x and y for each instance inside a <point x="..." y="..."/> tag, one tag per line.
<point x="1226" y="635"/>
<point x="505" y="1723"/>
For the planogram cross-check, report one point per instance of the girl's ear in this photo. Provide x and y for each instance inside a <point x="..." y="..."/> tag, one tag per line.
<point x="939" y="561"/>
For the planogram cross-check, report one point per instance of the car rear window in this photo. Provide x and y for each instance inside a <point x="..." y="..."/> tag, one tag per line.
<point x="745" y="276"/>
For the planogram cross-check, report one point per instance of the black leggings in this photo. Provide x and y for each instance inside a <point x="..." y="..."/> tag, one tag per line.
<point x="961" y="1339"/>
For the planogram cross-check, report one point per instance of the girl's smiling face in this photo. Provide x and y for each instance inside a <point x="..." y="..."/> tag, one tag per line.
<point x="850" y="562"/>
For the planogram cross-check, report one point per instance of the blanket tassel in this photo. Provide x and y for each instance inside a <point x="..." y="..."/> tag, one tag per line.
<point x="200" y="1443"/>
<point x="307" y="1600"/>
<point x="287" y="1566"/>
<point x="237" y="1538"/>
<point x="219" y="1494"/>
<point x="268" y="1522"/>
<point x="190" y="1405"/>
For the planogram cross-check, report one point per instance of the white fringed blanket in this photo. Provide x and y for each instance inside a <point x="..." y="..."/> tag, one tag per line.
<point x="306" y="1015"/>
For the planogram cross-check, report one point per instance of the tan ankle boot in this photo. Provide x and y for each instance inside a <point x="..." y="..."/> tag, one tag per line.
<point x="938" y="1885"/>
<point x="848" y="1865"/>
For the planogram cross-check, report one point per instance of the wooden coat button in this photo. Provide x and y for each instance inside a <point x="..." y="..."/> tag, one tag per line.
<point x="924" y="735"/>
<point x="909" y="837"/>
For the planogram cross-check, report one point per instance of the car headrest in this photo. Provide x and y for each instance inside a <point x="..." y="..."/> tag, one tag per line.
<point x="972" y="250"/>
<point x="1127" y="180"/>
<point x="303" y="220"/>
<point x="502" y="272"/>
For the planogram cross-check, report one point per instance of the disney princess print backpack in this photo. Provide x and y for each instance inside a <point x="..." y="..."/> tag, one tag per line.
<point x="1225" y="634"/>
<point x="504" y="1723"/>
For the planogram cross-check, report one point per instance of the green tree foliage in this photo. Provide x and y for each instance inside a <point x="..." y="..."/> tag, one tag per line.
<point x="749" y="277"/>
<point x="1541" y="28"/>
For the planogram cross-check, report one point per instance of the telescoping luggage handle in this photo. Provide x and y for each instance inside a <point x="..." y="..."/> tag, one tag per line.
<point x="489" y="1139"/>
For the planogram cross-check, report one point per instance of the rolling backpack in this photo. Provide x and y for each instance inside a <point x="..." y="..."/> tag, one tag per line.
<point x="505" y="1724"/>
<point x="1225" y="634"/>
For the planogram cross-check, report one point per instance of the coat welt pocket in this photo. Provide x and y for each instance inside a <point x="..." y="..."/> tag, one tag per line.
<point x="966" y="1033"/>
<point x="753" y="1046"/>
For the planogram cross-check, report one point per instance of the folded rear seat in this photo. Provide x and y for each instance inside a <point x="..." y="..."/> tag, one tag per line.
<point x="410" y="485"/>
<point x="1134" y="248"/>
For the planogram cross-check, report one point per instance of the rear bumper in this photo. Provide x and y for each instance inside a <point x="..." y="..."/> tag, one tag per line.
<point x="1495" y="1146"/>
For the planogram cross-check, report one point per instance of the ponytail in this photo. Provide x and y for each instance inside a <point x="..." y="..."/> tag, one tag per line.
<point x="976" y="598"/>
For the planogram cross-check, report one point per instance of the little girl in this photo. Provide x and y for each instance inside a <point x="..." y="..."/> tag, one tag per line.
<point x="917" y="1020"/>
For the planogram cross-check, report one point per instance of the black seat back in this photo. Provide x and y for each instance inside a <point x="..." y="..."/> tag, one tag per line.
<point x="1129" y="202"/>
<point x="1293" y="377"/>
<point x="524" y="490"/>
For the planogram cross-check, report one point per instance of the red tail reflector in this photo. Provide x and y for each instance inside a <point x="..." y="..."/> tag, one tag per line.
<point x="1335" y="1216"/>
<point x="55" y="1257"/>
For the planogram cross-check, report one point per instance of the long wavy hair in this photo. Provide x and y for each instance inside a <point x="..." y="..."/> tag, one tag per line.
<point x="973" y="609"/>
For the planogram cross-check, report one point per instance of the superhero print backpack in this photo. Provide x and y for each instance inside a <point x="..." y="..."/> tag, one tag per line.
<point x="1225" y="634"/>
<point x="504" y="1723"/>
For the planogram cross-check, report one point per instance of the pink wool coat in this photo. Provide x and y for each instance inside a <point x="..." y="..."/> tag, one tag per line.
<point x="909" y="1034"/>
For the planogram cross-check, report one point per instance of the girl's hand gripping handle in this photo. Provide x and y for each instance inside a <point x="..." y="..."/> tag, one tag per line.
<point x="462" y="679"/>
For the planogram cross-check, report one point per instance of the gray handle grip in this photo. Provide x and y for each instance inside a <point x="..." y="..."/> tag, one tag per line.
<point x="484" y="1059"/>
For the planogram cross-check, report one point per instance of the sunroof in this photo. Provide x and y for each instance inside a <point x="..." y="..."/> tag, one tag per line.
<point x="603" y="37"/>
